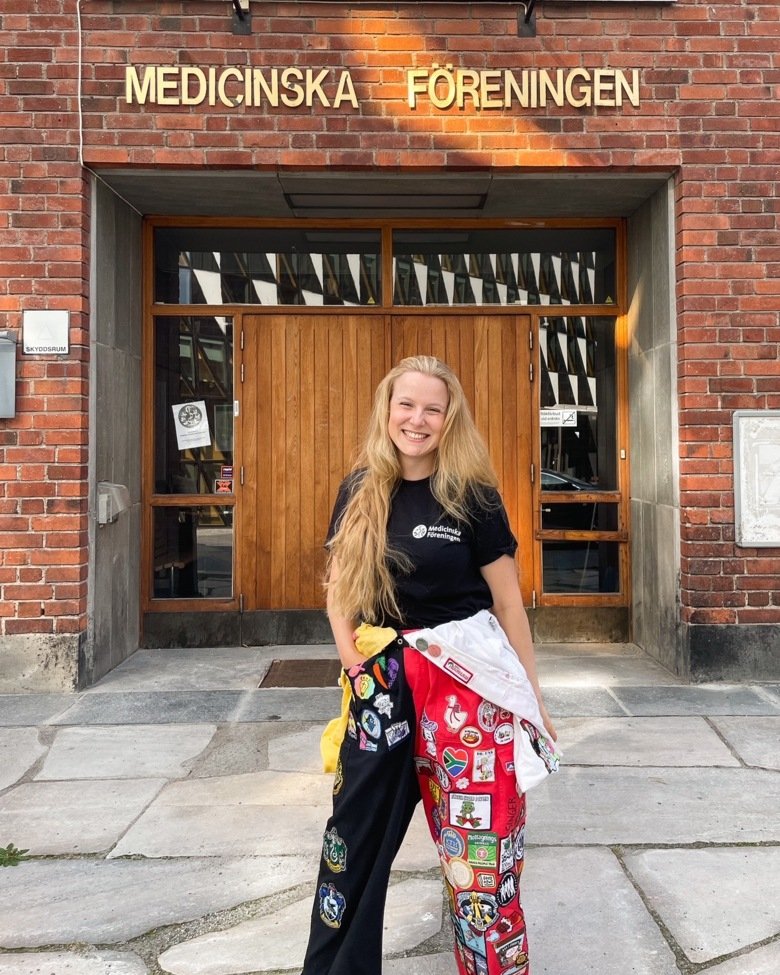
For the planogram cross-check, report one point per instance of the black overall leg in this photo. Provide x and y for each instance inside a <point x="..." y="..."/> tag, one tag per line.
<point x="375" y="793"/>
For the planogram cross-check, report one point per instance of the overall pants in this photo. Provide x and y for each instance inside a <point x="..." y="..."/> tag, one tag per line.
<point x="414" y="731"/>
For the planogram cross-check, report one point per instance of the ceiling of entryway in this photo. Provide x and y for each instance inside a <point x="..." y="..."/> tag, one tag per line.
<point x="241" y="193"/>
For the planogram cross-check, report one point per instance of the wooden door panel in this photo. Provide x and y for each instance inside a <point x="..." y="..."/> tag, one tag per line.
<point x="490" y="355"/>
<point x="308" y="387"/>
<point x="309" y="384"/>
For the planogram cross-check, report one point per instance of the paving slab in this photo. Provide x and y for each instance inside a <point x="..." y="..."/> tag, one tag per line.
<point x="20" y="749"/>
<point x="438" y="964"/>
<point x="602" y="671"/>
<point x="641" y="741"/>
<point x="224" y="830"/>
<point x="760" y="961"/>
<point x="298" y="751"/>
<point x="112" y="901"/>
<point x="152" y="707"/>
<point x="290" y="704"/>
<point x="655" y="806"/>
<point x="33" y="709"/>
<point x="565" y="702"/>
<point x="694" y="699"/>
<point x="584" y="915"/>
<point x="237" y="748"/>
<point x="418" y="851"/>
<point x="140" y="751"/>
<point x="755" y="740"/>
<point x="72" y="963"/>
<point x="714" y="902"/>
<point x="73" y="817"/>
<point x="195" y="669"/>
<point x="278" y="941"/>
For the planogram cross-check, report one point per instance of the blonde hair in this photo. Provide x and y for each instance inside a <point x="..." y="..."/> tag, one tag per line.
<point x="462" y="476"/>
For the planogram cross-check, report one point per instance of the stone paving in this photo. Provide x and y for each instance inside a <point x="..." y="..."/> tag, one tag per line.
<point x="173" y="816"/>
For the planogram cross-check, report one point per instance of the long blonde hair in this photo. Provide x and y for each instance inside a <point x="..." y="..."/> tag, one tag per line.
<point x="462" y="476"/>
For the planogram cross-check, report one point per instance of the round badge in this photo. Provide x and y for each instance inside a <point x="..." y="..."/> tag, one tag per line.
<point x="421" y="644"/>
<point x="487" y="716"/>
<point x="434" y="650"/>
<point x="459" y="873"/>
<point x="453" y="843"/>
<point x="441" y="775"/>
<point x="371" y="724"/>
<point x="471" y="736"/>
<point x="504" y="733"/>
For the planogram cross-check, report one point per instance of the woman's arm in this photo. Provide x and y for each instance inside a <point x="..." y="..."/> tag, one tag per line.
<point x="501" y="577"/>
<point x="342" y="627"/>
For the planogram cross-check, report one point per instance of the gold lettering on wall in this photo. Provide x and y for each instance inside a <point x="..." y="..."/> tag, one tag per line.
<point x="444" y="87"/>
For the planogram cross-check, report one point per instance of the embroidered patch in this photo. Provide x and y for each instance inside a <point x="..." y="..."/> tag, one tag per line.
<point x="365" y="743"/>
<point x="441" y="775"/>
<point x="507" y="889"/>
<point x="338" y="779"/>
<point x="392" y="670"/>
<point x="504" y="733"/>
<point x="332" y="905"/>
<point x="471" y="736"/>
<point x="456" y="760"/>
<point x="383" y="704"/>
<point x="486" y="879"/>
<point x="470" y="812"/>
<point x="487" y="716"/>
<point x="479" y="909"/>
<point x="351" y="726"/>
<point x="364" y="686"/>
<point x="428" y="730"/>
<point x="507" y="856"/>
<point x="458" y="671"/>
<point x="396" y="733"/>
<point x="455" y="716"/>
<point x="453" y="843"/>
<point x="371" y="724"/>
<point x="459" y="872"/>
<point x="485" y="765"/>
<point x="334" y="851"/>
<point x="483" y="850"/>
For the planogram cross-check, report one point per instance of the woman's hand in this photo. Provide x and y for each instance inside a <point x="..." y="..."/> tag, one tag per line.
<point x="549" y="726"/>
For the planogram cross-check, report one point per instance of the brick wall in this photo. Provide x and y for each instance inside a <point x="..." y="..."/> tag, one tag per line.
<point x="710" y="107"/>
<point x="44" y="244"/>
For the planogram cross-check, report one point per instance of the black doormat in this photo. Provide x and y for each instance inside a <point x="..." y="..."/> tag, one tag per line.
<point x="302" y="673"/>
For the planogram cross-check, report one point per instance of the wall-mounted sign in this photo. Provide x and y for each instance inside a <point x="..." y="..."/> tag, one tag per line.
<point x="444" y="87"/>
<point x="45" y="332"/>
<point x="757" y="478"/>
<point x="558" y="418"/>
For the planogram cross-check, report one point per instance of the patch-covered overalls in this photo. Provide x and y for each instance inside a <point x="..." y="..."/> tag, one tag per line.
<point x="422" y="724"/>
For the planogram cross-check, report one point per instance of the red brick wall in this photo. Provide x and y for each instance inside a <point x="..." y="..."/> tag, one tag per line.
<point x="44" y="248"/>
<point x="710" y="107"/>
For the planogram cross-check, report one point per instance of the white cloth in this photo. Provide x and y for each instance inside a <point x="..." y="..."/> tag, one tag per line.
<point x="476" y="652"/>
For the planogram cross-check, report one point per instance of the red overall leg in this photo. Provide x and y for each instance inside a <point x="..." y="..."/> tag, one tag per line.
<point x="464" y="756"/>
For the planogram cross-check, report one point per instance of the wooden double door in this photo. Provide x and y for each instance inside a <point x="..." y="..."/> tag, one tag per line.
<point x="307" y="385"/>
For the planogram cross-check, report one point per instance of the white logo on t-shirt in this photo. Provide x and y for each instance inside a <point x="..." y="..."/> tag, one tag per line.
<point x="420" y="531"/>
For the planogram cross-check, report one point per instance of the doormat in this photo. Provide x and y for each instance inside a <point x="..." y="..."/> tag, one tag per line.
<point x="302" y="673"/>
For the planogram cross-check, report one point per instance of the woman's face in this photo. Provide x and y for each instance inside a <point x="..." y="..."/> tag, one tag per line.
<point x="418" y="407"/>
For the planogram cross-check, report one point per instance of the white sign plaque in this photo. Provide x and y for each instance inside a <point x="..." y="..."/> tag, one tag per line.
<point x="566" y="417"/>
<point x="45" y="332"/>
<point x="757" y="478"/>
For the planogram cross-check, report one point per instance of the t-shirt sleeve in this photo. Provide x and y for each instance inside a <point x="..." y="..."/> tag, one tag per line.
<point x="492" y="535"/>
<point x="346" y="488"/>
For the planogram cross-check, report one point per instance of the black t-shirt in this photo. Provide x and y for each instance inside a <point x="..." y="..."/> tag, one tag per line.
<point x="445" y="583"/>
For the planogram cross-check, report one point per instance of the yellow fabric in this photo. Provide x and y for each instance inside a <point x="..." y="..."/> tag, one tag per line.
<point x="368" y="641"/>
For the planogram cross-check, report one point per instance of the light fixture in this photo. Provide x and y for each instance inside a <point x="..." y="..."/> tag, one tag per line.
<point x="242" y="17"/>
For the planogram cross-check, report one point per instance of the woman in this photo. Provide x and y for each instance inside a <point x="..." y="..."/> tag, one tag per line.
<point x="419" y="543"/>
